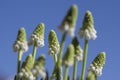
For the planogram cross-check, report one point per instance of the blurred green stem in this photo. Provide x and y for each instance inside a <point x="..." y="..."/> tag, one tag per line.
<point x="60" y="53"/>
<point x="34" y="51"/>
<point x="66" y="73"/>
<point x="74" y="69"/>
<point x="55" y="58"/>
<point x="84" y="59"/>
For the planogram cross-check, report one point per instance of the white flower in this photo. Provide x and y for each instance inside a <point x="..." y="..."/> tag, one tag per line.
<point x="20" y="45"/>
<point x="53" y="49"/>
<point x="79" y="57"/>
<point x="97" y="70"/>
<point x="88" y="34"/>
<point x="35" y="38"/>
<point x="68" y="63"/>
<point x="66" y="28"/>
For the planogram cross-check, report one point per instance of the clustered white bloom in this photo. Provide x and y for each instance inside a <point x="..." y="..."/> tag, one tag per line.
<point x="97" y="70"/>
<point x="88" y="34"/>
<point x="79" y="57"/>
<point x="36" y="70"/>
<point x="35" y="38"/>
<point x="70" y="63"/>
<point x="25" y="74"/>
<point x="53" y="48"/>
<point x="20" y="45"/>
<point x="66" y="28"/>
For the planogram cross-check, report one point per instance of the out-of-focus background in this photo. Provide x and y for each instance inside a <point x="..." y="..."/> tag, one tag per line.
<point x="28" y="14"/>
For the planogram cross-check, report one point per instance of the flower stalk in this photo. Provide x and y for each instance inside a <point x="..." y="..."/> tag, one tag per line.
<point x="75" y="69"/>
<point x="19" y="60"/>
<point x="84" y="59"/>
<point x="66" y="73"/>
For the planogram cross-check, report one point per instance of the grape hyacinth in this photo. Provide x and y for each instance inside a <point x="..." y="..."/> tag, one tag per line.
<point x="53" y="43"/>
<point x="69" y="22"/>
<point x="88" y="31"/>
<point x="37" y="37"/>
<point x="38" y="68"/>
<point x="26" y="69"/>
<point x="21" y="42"/>
<point x="98" y="63"/>
<point x="78" y="50"/>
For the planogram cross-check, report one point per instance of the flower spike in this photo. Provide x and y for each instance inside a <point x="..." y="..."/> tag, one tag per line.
<point x="20" y="42"/>
<point x="39" y="67"/>
<point x="78" y="49"/>
<point x="98" y="63"/>
<point x="69" y="22"/>
<point x="53" y="43"/>
<point x="26" y="68"/>
<point x="68" y="57"/>
<point x="88" y="31"/>
<point x="37" y="36"/>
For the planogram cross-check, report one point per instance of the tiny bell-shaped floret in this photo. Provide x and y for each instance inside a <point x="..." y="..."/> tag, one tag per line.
<point x="69" y="21"/>
<point x="39" y="67"/>
<point x="98" y="63"/>
<point x="87" y="30"/>
<point x="37" y="37"/>
<point x="68" y="57"/>
<point x="20" y="43"/>
<point x="53" y="43"/>
<point x="78" y="50"/>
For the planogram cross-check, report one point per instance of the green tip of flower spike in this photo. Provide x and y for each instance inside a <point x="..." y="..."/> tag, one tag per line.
<point x="69" y="56"/>
<point x="78" y="49"/>
<point x="53" y="41"/>
<point x="88" y="21"/>
<point x="28" y="64"/>
<point x="21" y="35"/>
<point x="71" y="16"/>
<point x="39" y="30"/>
<point x="99" y="61"/>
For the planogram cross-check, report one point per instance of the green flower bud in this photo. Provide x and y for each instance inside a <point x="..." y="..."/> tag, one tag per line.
<point x="39" y="66"/>
<point x="69" y="22"/>
<point x="20" y="42"/>
<point x="53" y="43"/>
<point x="78" y="50"/>
<point x="68" y="57"/>
<point x="98" y="63"/>
<point x="88" y="31"/>
<point x="37" y="37"/>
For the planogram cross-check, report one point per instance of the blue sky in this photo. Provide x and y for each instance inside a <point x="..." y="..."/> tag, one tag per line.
<point x="28" y="14"/>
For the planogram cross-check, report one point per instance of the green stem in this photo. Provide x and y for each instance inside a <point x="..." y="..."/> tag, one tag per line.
<point x="74" y="69"/>
<point x="66" y="73"/>
<point x="55" y="58"/>
<point x="59" y="64"/>
<point x="34" y="51"/>
<point x="84" y="59"/>
<point x="19" y="60"/>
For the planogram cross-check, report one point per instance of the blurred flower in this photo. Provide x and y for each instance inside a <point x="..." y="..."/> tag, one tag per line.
<point x="39" y="67"/>
<point x="26" y="68"/>
<point x="69" y="22"/>
<point x="68" y="57"/>
<point x="88" y="31"/>
<point x="37" y="37"/>
<point x="20" y="42"/>
<point x="78" y="50"/>
<point x="53" y="43"/>
<point x="98" y="63"/>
